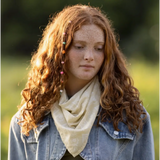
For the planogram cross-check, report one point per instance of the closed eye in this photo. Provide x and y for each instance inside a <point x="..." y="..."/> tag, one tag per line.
<point x="79" y="47"/>
<point x="99" y="49"/>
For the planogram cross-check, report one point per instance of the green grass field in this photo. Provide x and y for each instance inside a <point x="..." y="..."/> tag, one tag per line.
<point x="14" y="76"/>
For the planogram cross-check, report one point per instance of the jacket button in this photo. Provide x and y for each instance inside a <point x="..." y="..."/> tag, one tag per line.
<point x="116" y="133"/>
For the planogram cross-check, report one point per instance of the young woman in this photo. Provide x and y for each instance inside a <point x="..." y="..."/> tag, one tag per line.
<point x="79" y="101"/>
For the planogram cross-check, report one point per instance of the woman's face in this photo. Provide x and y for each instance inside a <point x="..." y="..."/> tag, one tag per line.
<point x="86" y="53"/>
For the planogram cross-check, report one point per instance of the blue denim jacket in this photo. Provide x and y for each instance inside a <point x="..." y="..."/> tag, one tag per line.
<point x="104" y="143"/>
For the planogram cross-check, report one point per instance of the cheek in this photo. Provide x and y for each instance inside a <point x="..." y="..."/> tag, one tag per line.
<point x="71" y="62"/>
<point x="100" y="59"/>
<point x="74" y="58"/>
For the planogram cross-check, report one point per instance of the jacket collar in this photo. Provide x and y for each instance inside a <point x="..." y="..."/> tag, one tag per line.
<point x="42" y="125"/>
<point x="124" y="133"/>
<point x="108" y="127"/>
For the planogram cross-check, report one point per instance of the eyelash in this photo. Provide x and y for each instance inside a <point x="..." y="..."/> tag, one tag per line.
<point x="81" y="47"/>
<point x="99" y="49"/>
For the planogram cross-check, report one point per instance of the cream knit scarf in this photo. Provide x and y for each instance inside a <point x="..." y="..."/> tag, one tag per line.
<point x="74" y="117"/>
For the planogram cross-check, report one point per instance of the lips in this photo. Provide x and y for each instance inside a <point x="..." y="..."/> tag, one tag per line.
<point x="87" y="66"/>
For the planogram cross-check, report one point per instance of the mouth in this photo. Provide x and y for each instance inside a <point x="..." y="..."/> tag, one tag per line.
<point x="87" y="66"/>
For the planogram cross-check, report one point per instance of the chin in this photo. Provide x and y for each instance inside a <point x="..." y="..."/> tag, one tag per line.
<point x="87" y="78"/>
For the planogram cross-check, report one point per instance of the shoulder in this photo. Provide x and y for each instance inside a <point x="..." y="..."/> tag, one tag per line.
<point x="146" y="121"/>
<point x="17" y="116"/>
<point x="14" y="126"/>
<point x="147" y="117"/>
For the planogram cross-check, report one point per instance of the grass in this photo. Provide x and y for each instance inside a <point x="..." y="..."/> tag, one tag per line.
<point x="14" y="76"/>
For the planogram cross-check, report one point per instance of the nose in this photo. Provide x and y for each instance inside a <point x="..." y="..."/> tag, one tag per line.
<point x="88" y="55"/>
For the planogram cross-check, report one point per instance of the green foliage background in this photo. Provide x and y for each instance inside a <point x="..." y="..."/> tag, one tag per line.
<point x="23" y="22"/>
<point x="135" y="21"/>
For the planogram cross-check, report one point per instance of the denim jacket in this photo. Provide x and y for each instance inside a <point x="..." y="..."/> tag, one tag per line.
<point x="104" y="143"/>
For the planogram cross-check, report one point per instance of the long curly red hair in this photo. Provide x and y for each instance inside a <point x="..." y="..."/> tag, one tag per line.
<point x="119" y="97"/>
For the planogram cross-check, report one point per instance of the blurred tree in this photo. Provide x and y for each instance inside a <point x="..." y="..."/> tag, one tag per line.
<point x="135" y="21"/>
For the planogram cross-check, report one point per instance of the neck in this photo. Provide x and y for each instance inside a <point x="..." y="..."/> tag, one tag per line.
<point x="73" y="87"/>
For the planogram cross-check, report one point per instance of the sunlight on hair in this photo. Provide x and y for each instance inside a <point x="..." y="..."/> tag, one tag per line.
<point x="38" y="63"/>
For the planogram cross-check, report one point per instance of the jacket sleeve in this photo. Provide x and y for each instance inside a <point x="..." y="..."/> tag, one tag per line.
<point x="144" y="148"/>
<point x="16" y="149"/>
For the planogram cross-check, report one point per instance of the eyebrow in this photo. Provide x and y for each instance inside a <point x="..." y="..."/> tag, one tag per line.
<point x="83" y="42"/>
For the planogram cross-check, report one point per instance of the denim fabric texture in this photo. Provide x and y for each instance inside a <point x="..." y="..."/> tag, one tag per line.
<point x="104" y="143"/>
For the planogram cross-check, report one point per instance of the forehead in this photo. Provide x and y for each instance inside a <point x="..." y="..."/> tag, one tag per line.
<point x="90" y="32"/>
